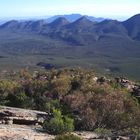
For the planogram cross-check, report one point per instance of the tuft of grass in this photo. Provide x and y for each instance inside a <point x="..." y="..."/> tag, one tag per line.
<point x="67" y="137"/>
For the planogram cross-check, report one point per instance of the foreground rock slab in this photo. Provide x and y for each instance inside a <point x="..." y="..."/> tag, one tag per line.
<point x="18" y="132"/>
<point x="11" y="115"/>
<point x="23" y="132"/>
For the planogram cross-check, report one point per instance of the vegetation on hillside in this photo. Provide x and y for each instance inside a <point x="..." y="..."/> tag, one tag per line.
<point x="76" y="98"/>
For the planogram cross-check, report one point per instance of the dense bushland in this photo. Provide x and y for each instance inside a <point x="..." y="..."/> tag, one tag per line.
<point x="77" y="96"/>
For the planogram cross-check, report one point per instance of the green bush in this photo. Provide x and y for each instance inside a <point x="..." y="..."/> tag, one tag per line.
<point x="18" y="100"/>
<point x="58" y="124"/>
<point x="54" y="126"/>
<point x="67" y="137"/>
<point x="50" y="105"/>
<point x="68" y="124"/>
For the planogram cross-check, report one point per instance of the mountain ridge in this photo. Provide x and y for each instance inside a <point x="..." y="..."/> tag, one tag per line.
<point x="74" y="17"/>
<point x="82" y="25"/>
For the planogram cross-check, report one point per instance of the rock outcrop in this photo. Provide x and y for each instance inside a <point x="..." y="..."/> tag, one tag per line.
<point x="20" y="124"/>
<point x="22" y="132"/>
<point x="10" y="115"/>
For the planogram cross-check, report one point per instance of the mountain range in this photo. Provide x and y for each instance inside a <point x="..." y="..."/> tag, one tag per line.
<point x="109" y="44"/>
<point x="83" y="27"/>
<point x="49" y="19"/>
<point x="74" y="17"/>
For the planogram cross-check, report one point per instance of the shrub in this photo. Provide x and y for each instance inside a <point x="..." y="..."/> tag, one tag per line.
<point x="61" y="85"/>
<point x="67" y="137"/>
<point x="18" y="100"/>
<point x="54" y="126"/>
<point x="58" y="124"/>
<point x="68" y="124"/>
<point x="50" y="105"/>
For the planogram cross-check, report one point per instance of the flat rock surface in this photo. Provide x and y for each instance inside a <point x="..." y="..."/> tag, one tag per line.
<point x="21" y="112"/>
<point x="18" y="132"/>
<point x="23" y="132"/>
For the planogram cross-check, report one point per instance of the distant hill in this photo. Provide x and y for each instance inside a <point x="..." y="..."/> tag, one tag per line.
<point x="74" y="17"/>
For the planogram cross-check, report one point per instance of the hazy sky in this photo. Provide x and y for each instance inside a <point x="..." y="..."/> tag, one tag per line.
<point x="98" y="8"/>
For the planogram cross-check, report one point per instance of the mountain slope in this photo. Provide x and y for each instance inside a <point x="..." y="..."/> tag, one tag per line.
<point x="84" y="32"/>
<point x="61" y="21"/>
<point x="10" y="24"/>
<point x="82" y="22"/>
<point x="23" y="26"/>
<point x="133" y="26"/>
<point x="79" y="32"/>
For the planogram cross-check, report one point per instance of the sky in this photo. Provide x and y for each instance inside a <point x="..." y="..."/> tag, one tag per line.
<point x="97" y="8"/>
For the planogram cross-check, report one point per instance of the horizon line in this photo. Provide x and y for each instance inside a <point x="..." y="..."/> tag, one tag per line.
<point x="117" y="17"/>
